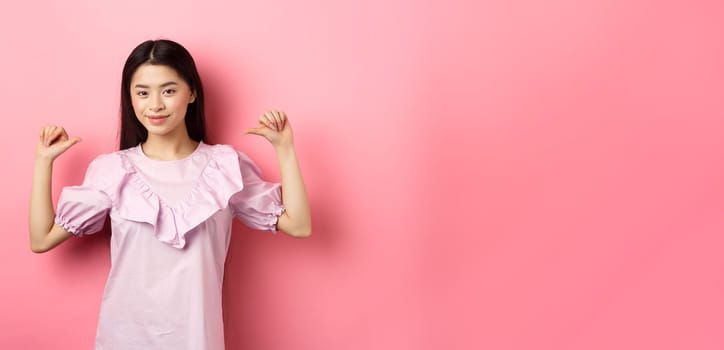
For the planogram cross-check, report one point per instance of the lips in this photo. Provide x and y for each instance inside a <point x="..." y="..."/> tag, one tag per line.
<point x="157" y="119"/>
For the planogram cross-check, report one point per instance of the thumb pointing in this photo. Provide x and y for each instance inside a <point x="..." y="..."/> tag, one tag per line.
<point x="70" y="142"/>
<point x="255" y="131"/>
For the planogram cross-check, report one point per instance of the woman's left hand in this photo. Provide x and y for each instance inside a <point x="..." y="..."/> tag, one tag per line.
<point x="275" y="127"/>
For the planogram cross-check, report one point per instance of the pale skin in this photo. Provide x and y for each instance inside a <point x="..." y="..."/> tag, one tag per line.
<point x="158" y="93"/>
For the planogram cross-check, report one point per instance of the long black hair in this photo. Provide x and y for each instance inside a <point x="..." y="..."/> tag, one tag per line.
<point x="166" y="53"/>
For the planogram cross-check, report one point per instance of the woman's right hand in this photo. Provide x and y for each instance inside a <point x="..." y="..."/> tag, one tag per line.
<point x="53" y="141"/>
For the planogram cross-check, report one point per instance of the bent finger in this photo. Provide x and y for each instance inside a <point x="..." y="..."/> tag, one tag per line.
<point x="284" y="119"/>
<point x="56" y="135"/>
<point x="48" y="131"/>
<point x="275" y="119"/>
<point x="279" y="120"/>
<point x="267" y="121"/>
<point x="44" y="134"/>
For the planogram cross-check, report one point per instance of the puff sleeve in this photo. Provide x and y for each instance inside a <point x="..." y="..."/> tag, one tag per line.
<point x="82" y="209"/>
<point x="259" y="204"/>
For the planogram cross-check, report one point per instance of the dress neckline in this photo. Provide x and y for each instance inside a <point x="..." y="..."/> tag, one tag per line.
<point x="143" y="155"/>
<point x="219" y="180"/>
<point x="145" y="185"/>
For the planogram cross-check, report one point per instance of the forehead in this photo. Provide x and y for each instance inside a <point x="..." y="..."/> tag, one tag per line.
<point x="153" y="74"/>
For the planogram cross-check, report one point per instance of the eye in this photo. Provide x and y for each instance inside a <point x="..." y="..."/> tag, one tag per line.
<point x="169" y="91"/>
<point x="142" y="93"/>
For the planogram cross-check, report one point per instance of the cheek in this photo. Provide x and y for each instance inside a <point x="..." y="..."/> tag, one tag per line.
<point x="138" y="112"/>
<point x="136" y="104"/>
<point x="180" y="105"/>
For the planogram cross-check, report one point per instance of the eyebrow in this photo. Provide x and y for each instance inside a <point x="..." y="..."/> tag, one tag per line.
<point x="162" y="85"/>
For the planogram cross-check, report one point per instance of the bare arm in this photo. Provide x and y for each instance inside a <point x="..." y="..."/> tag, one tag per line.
<point x="44" y="233"/>
<point x="296" y="220"/>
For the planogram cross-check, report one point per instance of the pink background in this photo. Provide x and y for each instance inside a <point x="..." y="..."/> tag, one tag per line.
<point x="483" y="174"/>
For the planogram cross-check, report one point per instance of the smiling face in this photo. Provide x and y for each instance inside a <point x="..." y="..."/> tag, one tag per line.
<point x="160" y="98"/>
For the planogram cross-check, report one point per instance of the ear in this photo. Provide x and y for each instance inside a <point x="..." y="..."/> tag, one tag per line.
<point x="193" y="98"/>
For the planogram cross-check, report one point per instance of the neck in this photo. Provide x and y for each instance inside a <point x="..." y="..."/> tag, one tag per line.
<point x="168" y="148"/>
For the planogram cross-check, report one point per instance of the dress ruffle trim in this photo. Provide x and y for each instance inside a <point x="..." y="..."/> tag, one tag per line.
<point x="219" y="180"/>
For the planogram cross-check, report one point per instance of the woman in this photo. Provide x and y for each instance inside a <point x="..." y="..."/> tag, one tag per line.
<point x="171" y="199"/>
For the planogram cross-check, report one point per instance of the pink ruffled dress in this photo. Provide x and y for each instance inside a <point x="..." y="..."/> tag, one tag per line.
<point x="171" y="225"/>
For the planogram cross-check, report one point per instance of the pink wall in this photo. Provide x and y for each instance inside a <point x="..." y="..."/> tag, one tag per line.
<point x="497" y="175"/>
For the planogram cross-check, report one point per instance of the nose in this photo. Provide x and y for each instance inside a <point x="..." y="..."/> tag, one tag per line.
<point x="156" y="103"/>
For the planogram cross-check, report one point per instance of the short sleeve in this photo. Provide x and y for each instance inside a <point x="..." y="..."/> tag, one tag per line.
<point x="259" y="203"/>
<point x="83" y="209"/>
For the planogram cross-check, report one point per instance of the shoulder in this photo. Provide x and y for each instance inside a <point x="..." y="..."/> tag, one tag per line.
<point x="108" y="161"/>
<point x="112" y="166"/>
<point x="105" y="170"/>
<point x="227" y="151"/>
<point x="221" y="148"/>
<point x="231" y="157"/>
